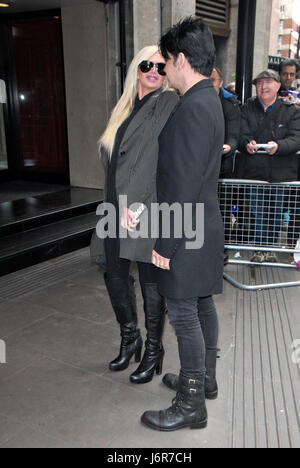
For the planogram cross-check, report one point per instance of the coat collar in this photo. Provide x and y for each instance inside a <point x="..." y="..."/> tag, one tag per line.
<point x="259" y="105"/>
<point x="203" y="84"/>
<point x="140" y="117"/>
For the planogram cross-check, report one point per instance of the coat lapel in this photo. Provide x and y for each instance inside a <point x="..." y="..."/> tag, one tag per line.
<point x="139" y="118"/>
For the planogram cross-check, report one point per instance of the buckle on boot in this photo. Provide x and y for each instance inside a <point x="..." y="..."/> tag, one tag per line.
<point x="193" y="390"/>
<point x="192" y="381"/>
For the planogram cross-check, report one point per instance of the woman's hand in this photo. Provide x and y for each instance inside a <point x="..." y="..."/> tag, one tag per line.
<point x="128" y="220"/>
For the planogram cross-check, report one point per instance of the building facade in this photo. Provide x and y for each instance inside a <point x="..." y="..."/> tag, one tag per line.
<point x="97" y="40"/>
<point x="288" y="23"/>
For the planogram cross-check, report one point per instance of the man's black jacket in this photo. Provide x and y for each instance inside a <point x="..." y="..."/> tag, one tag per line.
<point x="190" y="148"/>
<point x="282" y="125"/>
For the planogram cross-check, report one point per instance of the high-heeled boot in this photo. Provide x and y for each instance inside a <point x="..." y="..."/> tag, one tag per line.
<point x="211" y="386"/>
<point x="155" y="312"/>
<point x="188" y="408"/>
<point x="123" y="300"/>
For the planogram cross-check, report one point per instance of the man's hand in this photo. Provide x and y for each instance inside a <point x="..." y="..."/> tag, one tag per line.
<point x="226" y="149"/>
<point x="272" y="151"/>
<point x="160" y="262"/>
<point x="128" y="220"/>
<point x="292" y="98"/>
<point x="252" y="147"/>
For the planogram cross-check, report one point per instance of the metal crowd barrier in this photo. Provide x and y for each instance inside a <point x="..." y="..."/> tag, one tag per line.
<point x="261" y="217"/>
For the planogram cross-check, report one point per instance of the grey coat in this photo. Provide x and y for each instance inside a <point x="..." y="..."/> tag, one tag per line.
<point x="137" y="168"/>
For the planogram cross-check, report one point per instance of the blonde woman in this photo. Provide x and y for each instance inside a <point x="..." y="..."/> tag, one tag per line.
<point x="129" y="150"/>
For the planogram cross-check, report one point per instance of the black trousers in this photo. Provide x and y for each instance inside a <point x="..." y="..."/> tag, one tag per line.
<point x="117" y="267"/>
<point x="196" y="324"/>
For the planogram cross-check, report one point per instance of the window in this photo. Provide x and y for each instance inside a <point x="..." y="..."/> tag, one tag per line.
<point x="281" y="26"/>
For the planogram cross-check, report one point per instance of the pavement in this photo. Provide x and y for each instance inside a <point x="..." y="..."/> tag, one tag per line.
<point x="58" y="333"/>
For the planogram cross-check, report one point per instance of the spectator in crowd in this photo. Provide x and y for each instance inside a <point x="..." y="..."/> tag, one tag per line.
<point x="231" y="88"/>
<point x="267" y="119"/>
<point x="288" y="71"/>
<point x="232" y="116"/>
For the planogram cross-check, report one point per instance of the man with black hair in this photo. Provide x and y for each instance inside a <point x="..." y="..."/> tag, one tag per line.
<point x="190" y="149"/>
<point x="288" y="72"/>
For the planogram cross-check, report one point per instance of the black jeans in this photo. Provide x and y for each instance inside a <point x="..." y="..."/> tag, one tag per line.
<point x="117" y="267"/>
<point x="196" y="325"/>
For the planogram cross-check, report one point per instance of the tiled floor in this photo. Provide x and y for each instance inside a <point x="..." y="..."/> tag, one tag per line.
<point x="56" y="390"/>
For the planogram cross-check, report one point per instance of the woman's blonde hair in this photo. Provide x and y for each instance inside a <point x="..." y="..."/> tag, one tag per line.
<point x="125" y="104"/>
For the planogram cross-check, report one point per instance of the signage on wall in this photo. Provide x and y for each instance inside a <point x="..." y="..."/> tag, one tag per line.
<point x="275" y="61"/>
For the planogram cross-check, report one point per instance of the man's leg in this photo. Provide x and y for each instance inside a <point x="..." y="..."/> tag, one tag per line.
<point x="208" y="319"/>
<point x="210" y="328"/>
<point x="188" y="408"/>
<point x="258" y="201"/>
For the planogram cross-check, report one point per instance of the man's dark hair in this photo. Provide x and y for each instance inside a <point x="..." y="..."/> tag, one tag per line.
<point x="289" y="63"/>
<point x="194" y="39"/>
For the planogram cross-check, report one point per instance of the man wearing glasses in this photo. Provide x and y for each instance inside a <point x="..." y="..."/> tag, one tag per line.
<point x="271" y="124"/>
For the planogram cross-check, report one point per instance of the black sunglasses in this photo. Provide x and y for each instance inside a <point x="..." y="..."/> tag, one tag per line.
<point x="146" y="66"/>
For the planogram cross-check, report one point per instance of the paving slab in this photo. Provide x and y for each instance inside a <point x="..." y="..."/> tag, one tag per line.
<point x="60" y="333"/>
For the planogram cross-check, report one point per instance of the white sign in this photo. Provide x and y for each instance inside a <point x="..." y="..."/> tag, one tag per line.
<point x="2" y="92"/>
<point x="2" y="352"/>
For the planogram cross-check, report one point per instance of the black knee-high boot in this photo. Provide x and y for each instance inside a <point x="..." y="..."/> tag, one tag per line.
<point x="123" y="299"/>
<point x="155" y="312"/>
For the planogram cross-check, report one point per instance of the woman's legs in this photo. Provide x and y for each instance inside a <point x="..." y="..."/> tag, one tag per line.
<point x="155" y="311"/>
<point x="120" y="286"/>
<point x="116" y="267"/>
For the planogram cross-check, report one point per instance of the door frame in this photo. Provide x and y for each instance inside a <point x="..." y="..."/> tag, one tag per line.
<point x="12" y="125"/>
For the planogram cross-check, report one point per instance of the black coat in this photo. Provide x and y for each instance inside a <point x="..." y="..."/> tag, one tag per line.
<point x="190" y="148"/>
<point x="232" y="115"/>
<point x="283" y="127"/>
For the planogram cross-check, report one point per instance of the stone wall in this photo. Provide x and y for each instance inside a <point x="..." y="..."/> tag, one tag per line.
<point x="84" y="40"/>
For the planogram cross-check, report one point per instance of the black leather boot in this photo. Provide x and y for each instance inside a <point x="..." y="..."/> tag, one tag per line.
<point x="131" y="344"/>
<point x="155" y="312"/>
<point x="188" y="408"/>
<point x="123" y="299"/>
<point x="211" y="386"/>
